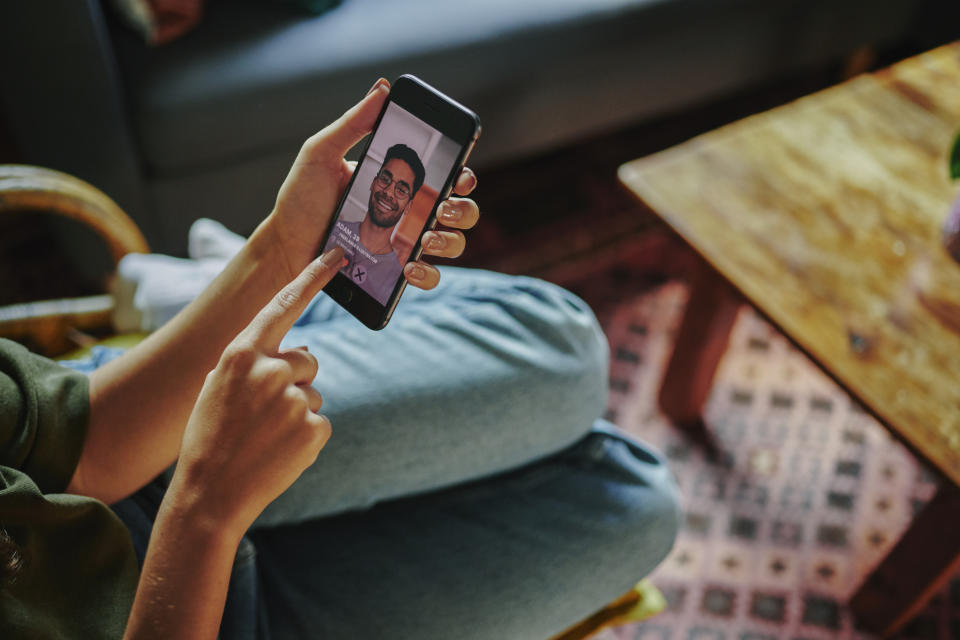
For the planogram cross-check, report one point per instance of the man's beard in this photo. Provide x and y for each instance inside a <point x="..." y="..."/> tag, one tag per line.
<point x="381" y="218"/>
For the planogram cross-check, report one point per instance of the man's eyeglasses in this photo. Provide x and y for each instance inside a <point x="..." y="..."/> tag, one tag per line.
<point x="401" y="188"/>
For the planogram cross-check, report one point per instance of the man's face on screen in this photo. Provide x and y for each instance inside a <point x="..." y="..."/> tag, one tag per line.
<point x="390" y="193"/>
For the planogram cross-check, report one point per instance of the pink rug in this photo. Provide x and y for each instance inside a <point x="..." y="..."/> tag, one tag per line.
<point x="805" y="496"/>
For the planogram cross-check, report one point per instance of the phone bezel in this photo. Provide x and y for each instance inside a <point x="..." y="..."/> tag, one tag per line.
<point x="451" y="119"/>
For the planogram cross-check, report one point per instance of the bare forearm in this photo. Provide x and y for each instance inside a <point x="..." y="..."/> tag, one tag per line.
<point x="183" y="585"/>
<point x="140" y="402"/>
<point x="253" y="431"/>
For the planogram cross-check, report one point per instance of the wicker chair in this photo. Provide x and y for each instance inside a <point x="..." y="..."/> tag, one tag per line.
<point x="54" y="327"/>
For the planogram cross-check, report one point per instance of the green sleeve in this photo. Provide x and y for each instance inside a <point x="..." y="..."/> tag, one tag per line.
<point x="44" y="410"/>
<point x="80" y="574"/>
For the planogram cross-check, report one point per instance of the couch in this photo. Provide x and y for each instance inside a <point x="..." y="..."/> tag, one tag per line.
<point x="208" y="124"/>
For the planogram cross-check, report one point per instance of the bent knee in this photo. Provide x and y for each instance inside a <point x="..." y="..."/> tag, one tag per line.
<point x="532" y="311"/>
<point x="573" y="349"/>
<point x="654" y="531"/>
<point x="646" y="499"/>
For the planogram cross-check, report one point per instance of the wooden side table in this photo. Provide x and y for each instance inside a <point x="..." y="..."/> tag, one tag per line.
<point x="825" y="215"/>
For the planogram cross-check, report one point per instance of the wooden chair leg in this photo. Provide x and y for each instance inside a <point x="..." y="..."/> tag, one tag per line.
<point x="699" y="346"/>
<point x="920" y="564"/>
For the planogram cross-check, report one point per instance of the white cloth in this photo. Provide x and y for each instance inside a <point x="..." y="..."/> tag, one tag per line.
<point x="150" y="288"/>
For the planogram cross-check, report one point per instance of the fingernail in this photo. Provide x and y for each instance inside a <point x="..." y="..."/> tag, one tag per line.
<point x="435" y="241"/>
<point x="450" y="213"/>
<point x="332" y="257"/>
<point x="382" y="82"/>
<point x="416" y="272"/>
<point x="471" y="180"/>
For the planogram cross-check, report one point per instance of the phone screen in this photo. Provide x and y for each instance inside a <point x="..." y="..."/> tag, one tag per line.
<point x="396" y="186"/>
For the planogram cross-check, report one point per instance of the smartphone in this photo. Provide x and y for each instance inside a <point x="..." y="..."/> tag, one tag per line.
<point x="419" y="145"/>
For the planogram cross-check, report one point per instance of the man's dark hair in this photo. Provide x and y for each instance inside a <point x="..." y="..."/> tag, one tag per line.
<point x="408" y="155"/>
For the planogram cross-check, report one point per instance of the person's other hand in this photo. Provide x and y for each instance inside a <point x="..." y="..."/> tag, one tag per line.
<point x="455" y="214"/>
<point x="319" y="176"/>
<point x="255" y="427"/>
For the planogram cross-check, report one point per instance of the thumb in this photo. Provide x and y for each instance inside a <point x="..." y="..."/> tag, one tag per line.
<point x="272" y="323"/>
<point x="339" y="137"/>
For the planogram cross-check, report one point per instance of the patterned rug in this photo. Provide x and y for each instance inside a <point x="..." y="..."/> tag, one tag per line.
<point x="804" y="495"/>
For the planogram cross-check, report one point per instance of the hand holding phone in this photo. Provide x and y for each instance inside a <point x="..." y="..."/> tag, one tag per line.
<point x="410" y="165"/>
<point x="454" y="213"/>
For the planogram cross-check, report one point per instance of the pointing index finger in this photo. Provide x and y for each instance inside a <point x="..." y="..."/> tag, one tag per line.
<point x="272" y="323"/>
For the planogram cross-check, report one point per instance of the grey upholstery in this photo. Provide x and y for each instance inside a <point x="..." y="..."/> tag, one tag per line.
<point x="208" y="125"/>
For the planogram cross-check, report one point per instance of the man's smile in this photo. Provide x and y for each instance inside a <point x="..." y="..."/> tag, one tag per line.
<point x="383" y="204"/>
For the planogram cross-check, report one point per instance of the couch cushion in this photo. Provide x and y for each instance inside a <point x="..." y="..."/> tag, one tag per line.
<point x="254" y="74"/>
<point x="256" y="78"/>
